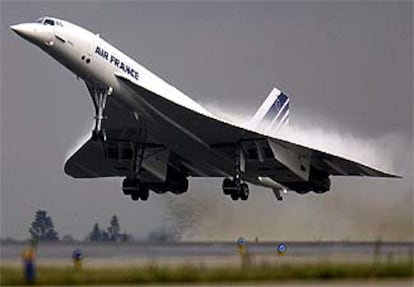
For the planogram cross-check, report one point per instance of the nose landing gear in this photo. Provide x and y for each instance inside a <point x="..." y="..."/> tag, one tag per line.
<point x="99" y="96"/>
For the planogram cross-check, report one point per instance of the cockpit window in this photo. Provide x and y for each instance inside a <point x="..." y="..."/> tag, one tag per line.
<point x="49" y="22"/>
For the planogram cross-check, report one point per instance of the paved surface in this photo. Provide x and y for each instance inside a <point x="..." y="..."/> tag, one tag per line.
<point x="135" y="250"/>
<point x="207" y="253"/>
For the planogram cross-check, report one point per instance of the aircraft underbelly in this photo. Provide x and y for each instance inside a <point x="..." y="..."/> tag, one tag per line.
<point x="182" y="140"/>
<point x="183" y="136"/>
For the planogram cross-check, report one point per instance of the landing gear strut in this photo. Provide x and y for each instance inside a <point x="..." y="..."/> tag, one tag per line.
<point x="234" y="186"/>
<point x="132" y="185"/>
<point x="99" y="96"/>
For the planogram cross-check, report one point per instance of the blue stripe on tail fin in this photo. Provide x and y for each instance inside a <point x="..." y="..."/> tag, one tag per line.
<point x="273" y="114"/>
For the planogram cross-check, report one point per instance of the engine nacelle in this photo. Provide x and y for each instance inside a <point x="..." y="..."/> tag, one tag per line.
<point x="176" y="183"/>
<point x="319" y="182"/>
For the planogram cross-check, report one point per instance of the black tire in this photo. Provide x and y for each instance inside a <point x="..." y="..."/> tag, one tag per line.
<point x="227" y="186"/>
<point x="126" y="191"/>
<point x="127" y="186"/>
<point x="135" y="195"/>
<point x="183" y="186"/>
<point x="234" y="195"/>
<point x="144" y="193"/>
<point x="244" y="191"/>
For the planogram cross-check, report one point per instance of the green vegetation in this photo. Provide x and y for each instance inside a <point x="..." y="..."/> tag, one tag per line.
<point x="111" y="234"/>
<point x="42" y="228"/>
<point x="48" y="275"/>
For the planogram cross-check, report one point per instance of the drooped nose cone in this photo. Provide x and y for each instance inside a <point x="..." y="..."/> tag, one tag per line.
<point x="35" y="33"/>
<point x="26" y="31"/>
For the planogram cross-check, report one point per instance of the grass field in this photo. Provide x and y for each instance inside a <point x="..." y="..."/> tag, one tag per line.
<point x="49" y="275"/>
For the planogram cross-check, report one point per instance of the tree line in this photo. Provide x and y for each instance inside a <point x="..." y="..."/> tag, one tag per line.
<point x="43" y="229"/>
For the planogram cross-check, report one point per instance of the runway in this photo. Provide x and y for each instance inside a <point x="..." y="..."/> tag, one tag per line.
<point x="214" y="253"/>
<point x="131" y="257"/>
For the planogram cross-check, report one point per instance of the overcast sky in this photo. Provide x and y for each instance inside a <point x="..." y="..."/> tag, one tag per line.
<point x="346" y="66"/>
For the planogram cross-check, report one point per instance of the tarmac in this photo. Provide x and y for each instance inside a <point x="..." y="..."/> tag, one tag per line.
<point x="207" y="253"/>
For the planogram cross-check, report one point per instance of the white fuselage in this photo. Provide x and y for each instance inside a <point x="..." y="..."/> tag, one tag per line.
<point x="96" y="61"/>
<point x="106" y="61"/>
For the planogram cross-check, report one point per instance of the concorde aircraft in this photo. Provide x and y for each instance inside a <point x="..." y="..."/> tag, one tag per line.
<point x="156" y="137"/>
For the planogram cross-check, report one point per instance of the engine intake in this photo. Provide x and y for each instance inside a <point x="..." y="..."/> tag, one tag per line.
<point x="176" y="183"/>
<point x="319" y="182"/>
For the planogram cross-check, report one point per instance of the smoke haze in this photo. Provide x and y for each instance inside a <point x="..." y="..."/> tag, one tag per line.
<point x="355" y="208"/>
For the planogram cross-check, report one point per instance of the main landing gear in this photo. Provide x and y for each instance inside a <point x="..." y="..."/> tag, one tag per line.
<point x="136" y="189"/>
<point x="132" y="185"/>
<point x="235" y="188"/>
<point x="99" y="96"/>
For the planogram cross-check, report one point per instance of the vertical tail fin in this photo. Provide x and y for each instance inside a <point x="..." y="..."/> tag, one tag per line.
<point x="273" y="114"/>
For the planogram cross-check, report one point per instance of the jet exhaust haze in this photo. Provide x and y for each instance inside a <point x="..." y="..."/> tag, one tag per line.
<point x="363" y="211"/>
<point x="203" y="214"/>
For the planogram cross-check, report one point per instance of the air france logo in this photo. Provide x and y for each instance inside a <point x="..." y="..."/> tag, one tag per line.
<point x="116" y="62"/>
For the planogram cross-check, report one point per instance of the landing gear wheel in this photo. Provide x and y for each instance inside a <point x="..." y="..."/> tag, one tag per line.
<point x="135" y="195"/>
<point x="244" y="191"/>
<point x="137" y="190"/>
<point x="235" y="188"/>
<point x="144" y="193"/>
<point x="128" y="186"/>
<point x="234" y="195"/>
<point x="227" y="186"/>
